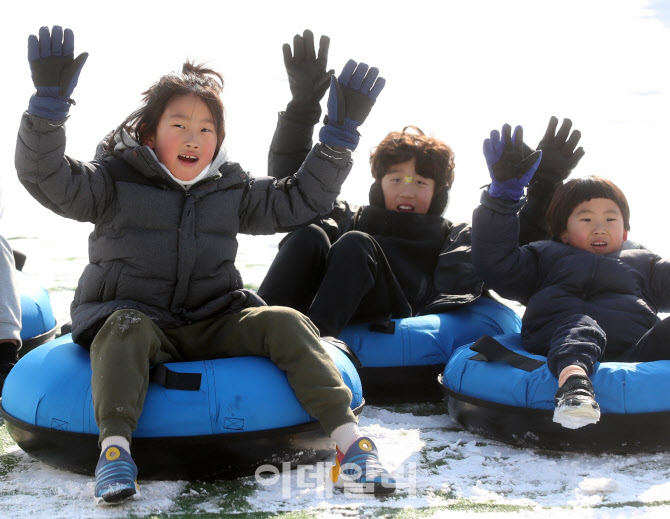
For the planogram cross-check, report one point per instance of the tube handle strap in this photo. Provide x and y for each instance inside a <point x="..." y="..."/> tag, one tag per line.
<point x="161" y="374"/>
<point x="490" y="350"/>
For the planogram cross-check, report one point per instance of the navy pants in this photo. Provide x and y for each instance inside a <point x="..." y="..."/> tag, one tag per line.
<point x="348" y="281"/>
<point x="580" y="340"/>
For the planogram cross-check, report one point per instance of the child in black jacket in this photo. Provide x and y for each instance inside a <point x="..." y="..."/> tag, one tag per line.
<point x="396" y="257"/>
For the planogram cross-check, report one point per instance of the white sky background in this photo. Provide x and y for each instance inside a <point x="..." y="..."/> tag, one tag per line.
<point x="456" y="69"/>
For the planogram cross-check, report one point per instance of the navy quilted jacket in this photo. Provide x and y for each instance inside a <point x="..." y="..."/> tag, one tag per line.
<point x="622" y="291"/>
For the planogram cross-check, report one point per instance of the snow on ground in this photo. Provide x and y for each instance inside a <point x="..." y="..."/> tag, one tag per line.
<point x="441" y="471"/>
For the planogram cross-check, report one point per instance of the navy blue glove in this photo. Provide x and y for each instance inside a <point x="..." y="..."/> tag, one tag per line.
<point x="350" y="100"/>
<point x="510" y="171"/>
<point x="307" y="76"/>
<point x="559" y="158"/>
<point x="55" y="72"/>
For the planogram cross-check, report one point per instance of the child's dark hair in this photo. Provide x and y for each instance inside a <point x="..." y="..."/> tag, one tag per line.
<point x="194" y="79"/>
<point x="434" y="159"/>
<point x="578" y="190"/>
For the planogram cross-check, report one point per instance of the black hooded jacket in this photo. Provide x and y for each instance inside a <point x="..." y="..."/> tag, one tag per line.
<point x="429" y="255"/>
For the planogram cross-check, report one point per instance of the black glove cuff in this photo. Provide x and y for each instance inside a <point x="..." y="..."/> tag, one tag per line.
<point x="303" y="112"/>
<point x="543" y="188"/>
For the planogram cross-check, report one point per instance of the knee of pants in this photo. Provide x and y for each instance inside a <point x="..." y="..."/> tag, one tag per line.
<point x="353" y="243"/>
<point x="311" y="236"/>
<point x="126" y="320"/>
<point x="283" y="319"/>
<point x="286" y="326"/>
<point x="122" y="325"/>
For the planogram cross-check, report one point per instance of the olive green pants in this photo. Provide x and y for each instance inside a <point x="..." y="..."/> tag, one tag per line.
<point x="130" y="343"/>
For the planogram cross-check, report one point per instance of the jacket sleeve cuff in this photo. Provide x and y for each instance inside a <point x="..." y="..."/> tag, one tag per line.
<point x="41" y="124"/>
<point x="340" y="157"/>
<point x="499" y="205"/>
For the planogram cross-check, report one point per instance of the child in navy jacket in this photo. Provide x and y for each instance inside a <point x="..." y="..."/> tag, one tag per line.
<point x="590" y="294"/>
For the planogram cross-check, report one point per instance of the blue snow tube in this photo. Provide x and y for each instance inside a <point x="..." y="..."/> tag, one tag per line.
<point x="240" y="414"/>
<point x="38" y="324"/>
<point x="400" y="359"/>
<point x="496" y="389"/>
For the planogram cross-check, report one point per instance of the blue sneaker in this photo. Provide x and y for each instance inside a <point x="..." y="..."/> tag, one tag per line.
<point x="360" y="471"/>
<point x="115" y="476"/>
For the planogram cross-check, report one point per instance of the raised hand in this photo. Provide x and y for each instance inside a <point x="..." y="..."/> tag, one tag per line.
<point x="55" y="72"/>
<point x="350" y="100"/>
<point x="560" y="155"/>
<point x="509" y="167"/>
<point x="307" y="76"/>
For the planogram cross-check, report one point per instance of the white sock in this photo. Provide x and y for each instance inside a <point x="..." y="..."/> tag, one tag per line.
<point x="345" y="435"/>
<point x="115" y="440"/>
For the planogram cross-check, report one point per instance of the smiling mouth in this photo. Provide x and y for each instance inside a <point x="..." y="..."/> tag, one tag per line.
<point x="406" y="208"/>
<point x="190" y="159"/>
<point x="599" y="244"/>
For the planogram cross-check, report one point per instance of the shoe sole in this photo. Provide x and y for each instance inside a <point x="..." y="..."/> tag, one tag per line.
<point x="117" y="497"/>
<point x="574" y="417"/>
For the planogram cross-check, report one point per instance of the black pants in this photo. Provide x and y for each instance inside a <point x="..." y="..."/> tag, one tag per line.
<point x="580" y="340"/>
<point x="348" y="281"/>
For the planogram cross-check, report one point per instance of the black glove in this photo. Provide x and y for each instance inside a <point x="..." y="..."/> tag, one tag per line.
<point x="9" y="355"/>
<point x="307" y="76"/>
<point x="559" y="158"/>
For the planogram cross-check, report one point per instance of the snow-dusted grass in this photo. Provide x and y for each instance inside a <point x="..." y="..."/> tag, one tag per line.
<point x="442" y="471"/>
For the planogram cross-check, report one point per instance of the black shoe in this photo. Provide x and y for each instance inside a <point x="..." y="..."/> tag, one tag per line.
<point x="576" y="404"/>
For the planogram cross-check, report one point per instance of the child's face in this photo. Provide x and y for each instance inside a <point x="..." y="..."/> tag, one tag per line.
<point x="406" y="191"/>
<point x="596" y="226"/>
<point x="185" y="137"/>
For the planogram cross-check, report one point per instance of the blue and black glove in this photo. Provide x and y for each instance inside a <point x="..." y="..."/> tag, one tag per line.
<point x="55" y="72"/>
<point x="307" y="76"/>
<point x="560" y="155"/>
<point x="510" y="169"/>
<point x="350" y="100"/>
